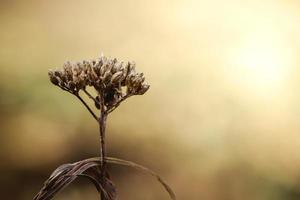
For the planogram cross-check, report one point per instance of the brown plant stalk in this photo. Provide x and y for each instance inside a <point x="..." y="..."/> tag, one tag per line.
<point x="113" y="82"/>
<point x="102" y="127"/>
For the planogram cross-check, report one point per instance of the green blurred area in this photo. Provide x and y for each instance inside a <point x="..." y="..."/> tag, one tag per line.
<point x="211" y="129"/>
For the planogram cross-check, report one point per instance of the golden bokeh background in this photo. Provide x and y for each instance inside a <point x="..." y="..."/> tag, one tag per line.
<point x="220" y="121"/>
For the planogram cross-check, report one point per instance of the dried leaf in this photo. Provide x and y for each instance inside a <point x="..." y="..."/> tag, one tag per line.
<point x="107" y="186"/>
<point x="118" y="161"/>
<point x="67" y="173"/>
<point x="142" y="168"/>
<point x="89" y="168"/>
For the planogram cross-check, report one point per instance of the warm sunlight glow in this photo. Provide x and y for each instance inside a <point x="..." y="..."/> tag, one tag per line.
<point x="261" y="64"/>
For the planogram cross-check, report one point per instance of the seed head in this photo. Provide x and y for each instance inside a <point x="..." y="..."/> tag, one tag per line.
<point x="112" y="79"/>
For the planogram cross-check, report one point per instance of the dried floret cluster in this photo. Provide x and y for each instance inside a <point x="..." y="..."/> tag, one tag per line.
<point x="112" y="79"/>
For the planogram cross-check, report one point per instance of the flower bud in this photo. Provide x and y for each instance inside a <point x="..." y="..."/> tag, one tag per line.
<point x="143" y="89"/>
<point x="53" y="78"/>
<point x="116" y="77"/>
<point x="107" y="76"/>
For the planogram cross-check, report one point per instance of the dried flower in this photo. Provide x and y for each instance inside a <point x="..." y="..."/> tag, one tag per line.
<point x="113" y="80"/>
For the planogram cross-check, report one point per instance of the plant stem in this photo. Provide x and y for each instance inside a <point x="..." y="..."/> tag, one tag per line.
<point x="85" y="104"/>
<point x="102" y="126"/>
<point x="89" y="95"/>
<point x="117" y="104"/>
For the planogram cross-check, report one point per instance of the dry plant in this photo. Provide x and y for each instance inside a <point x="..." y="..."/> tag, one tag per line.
<point x="113" y="82"/>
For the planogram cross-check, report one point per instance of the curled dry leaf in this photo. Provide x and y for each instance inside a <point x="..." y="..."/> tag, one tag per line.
<point x="106" y="186"/>
<point x="67" y="173"/>
<point x="89" y="168"/>
<point x="118" y="161"/>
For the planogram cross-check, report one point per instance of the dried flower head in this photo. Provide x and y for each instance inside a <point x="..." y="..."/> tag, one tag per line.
<point x="113" y="80"/>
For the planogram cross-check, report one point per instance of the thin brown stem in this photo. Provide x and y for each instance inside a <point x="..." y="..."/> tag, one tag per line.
<point x="82" y="101"/>
<point x="102" y="127"/>
<point x="117" y="104"/>
<point x="90" y="96"/>
<point x="85" y="104"/>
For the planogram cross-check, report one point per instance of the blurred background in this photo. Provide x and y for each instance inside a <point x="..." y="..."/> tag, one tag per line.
<point x="220" y="121"/>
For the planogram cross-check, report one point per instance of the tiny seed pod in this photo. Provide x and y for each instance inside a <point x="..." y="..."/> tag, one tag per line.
<point x="58" y="74"/>
<point x="140" y="75"/>
<point x="108" y="66"/>
<point x="116" y="77"/>
<point x="116" y="67"/>
<point x="79" y="65"/>
<point x="143" y="89"/>
<point x="97" y="102"/>
<point x="72" y="85"/>
<point x="132" y="67"/>
<point x="63" y="77"/>
<point x="107" y="76"/>
<point x="105" y="68"/>
<point x="76" y="71"/>
<point x="54" y="80"/>
<point x="94" y="74"/>
<point x="75" y="79"/>
<point x="129" y="77"/>
<point x="126" y="69"/>
<point x="96" y="69"/>
<point x="80" y="84"/>
<point x="102" y="70"/>
<point x="67" y="66"/>
<point x="69" y="76"/>
<point x="122" y="79"/>
<point x="103" y="59"/>
<point x="93" y="61"/>
<point x="100" y="62"/>
<point x="135" y="79"/>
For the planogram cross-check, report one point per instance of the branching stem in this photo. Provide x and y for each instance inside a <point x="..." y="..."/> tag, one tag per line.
<point x="90" y="96"/>
<point x="85" y="104"/>
<point x="82" y="101"/>
<point x="117" y="104"/>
